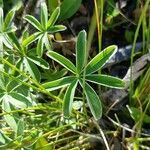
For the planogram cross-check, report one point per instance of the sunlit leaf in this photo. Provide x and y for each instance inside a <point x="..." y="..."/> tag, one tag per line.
<point x="62" y="60"/>
<point x="8" y="19"/>
<point x="39" y="61"/>
<point x="32" y="69"/>
<point x="44" y="15"/>
<point x="56" y="28"/>
<point x="57" y="84"/>
<point x="53" y="18"/>
<point x="81" y="51"/>
<point x="34" y="22"/>
<point x="100" y="59"/>
<point x="106" y="80"/>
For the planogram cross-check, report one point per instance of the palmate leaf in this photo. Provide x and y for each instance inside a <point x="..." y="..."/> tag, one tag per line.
<point x="68" y="98"/>
<point x="62" y="60"/>
<point x="34" y="22"/>
<point x="81" y="51"/>
<point x="57" y="84"/>
<point x="44" y="15"/>
<point x="93" y="100"/>
<point x="53" y="18"/>
<point x="105" y="80"/>
<point x="100" y="59"/>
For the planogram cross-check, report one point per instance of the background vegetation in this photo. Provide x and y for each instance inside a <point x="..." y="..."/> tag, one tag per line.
<point x="74" y="74"/>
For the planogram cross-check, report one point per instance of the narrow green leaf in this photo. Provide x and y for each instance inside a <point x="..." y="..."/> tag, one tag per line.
<point x="68" y="98"/>
<point x="69" y="8"/>
<point x="81" y="51"/>
<point x="62" y="60"/>
<point x="93" y="101"/>
<point x="15" y="41"/>
<point x="44" y="15"/>
<point x="20" y="127"/>
<point x="40" y="45"/>
<point x="57" y="84"/>
<point x="39" y="61"/>
<point x="42" y="144"/>
<point x="8" y="19"/>
<point x="7" y="41"/>
<point x="47" y="43"/>
<point x="9" y="118"/>
<point x="1" y="19"/>
<point x="100" y="59"/>
<point x="34" y="22"/>
<point x="53" y="18"/>
<point x="32" y="69"/>
<point x="105" y="80"/>
<point x="31" y="39"/>
<point x="18" y="100"/>
<point x="56" y="28"/>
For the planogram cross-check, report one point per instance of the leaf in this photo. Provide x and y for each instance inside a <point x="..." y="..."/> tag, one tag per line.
<point x="68" y="8"/>
<point x="68" y="98"/>
<point x="1" y="19"/>
<point x="39" y="61"/>
<point x="62" y="60"/>
<point x="137" y="115"/>
<point x="40" y="45"/>
<point x="100" y="59"/>
<point x="32" y="69"/>
<point x="56" y="28"/>
<point x="42" y="144"/>
<point x="31" y="39"/>
<point x="7" y="41"/>
<point x="81" y="51"/>
<point x="106" y="80"/>
<point x="57" y="84"/>
<point x="44" y="15"/>
<point x="15" y="41"/>
<point x="17" y="100"/>
<point x="46" y="42"/>
<point x="53" y="18"/>
<point x="9" y="118"/>
<point x="34" y="22"/>
<point x="93" y="101"/>
<point x="8" y="19"/>
<point x="20" y="127"/>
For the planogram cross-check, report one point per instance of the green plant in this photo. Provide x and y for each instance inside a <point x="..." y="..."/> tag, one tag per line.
<point x="6" y="27"/>
<point x="46" y="27"/>
<point x="84" y="73"/>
